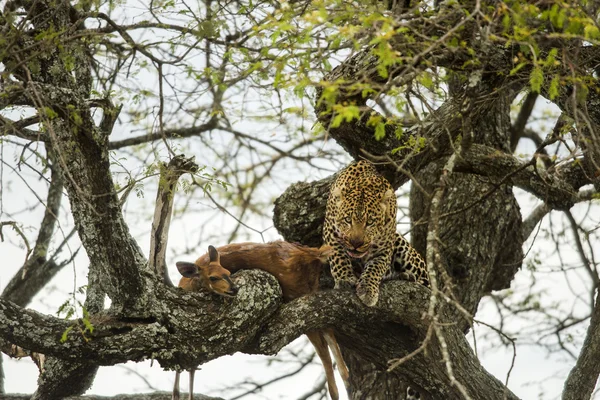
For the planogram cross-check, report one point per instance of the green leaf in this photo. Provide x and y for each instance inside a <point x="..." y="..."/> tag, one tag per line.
<point x="337" y="121"/>
<point x="591" y="32"/>
<point x="63" y="338"/>
<point x="506" y="22"/>
<point x="426" y="80"/>
<point x="379" y="131"/>
<point x="517" y="68"/>
<point x="50" y="113"/>
<point x="553" y="89"/>
<point x="536" y="79"/>
<point x="399" y="132"/>
<point x="557" y="16"/>
<point x="88" y="325"/>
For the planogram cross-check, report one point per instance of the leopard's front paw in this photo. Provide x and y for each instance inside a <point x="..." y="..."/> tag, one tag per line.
<point x="366" y="294"/>
<point x="346" y="283"/>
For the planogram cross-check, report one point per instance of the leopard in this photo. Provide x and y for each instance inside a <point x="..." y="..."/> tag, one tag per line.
<point x="360" y="226"/>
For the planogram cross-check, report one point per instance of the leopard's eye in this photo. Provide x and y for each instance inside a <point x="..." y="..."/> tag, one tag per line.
<point x="371" y="221"/>
<point x="348" y="220"/>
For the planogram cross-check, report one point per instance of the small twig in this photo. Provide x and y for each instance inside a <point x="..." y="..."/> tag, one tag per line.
<point x="514" y="357"/>
<point x="259" y="386"/>
<point x="318" y="388"/>
<point x="161" y="108"/>
<point x="584" y="260"/>
<point x="396" y="362"/>
<point x="19" y="232"/>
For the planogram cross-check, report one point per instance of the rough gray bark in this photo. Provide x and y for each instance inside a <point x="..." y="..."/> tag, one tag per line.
<point x="140" y="396"/>
<point x="300" y="210"/>
<point x="480" y="227"/>
<point x="193" y="319"/>
<point x="51" y="382"/>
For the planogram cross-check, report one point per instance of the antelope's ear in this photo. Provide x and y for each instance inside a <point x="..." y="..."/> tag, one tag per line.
<point x="213" y="255"/>
<point x="187" y="269"/>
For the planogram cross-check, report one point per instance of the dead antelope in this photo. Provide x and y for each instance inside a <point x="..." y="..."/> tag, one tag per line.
<point x="296" y="267"/>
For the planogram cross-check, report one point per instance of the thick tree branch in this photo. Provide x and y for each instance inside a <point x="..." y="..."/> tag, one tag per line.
<point x="9" y="127"/>
<point x="97" y="214"/>
<point x="360" y="327"/>
<point x="551" y="188"/>
<point x="176" y="334"/>
<point x="540" y="211"/>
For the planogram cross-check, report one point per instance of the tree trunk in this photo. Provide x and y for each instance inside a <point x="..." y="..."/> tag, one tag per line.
<point x="480" y="236"/>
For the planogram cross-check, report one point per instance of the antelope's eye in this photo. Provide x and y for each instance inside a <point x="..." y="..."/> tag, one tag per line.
<point x="213" y="278"/>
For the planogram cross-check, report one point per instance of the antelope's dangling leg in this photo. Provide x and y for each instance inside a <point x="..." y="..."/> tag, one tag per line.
<point x="339" y="359"/>
<point x="191" y="394"/>
<point x="320" y="345"/>
<point x="175" y="395"/>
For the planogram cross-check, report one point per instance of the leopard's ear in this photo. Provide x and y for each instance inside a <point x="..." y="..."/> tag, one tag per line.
<point x="337" y="194"/>
<point x="385" y="200"/>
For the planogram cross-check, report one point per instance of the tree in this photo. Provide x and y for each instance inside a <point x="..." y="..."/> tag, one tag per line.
<point x="424" y="90"/>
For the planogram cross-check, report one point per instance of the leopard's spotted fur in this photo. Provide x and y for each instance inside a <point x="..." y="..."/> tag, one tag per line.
<point x="407" y="263"/>
<point x="360" y="226"/>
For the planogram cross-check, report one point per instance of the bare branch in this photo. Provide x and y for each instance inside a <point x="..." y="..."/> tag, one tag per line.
<point x="540" y="212"/>
<point x="552" y="188"/>
<point x="174" y="134"/>
<point x="524" y="113"/>
<point x="38" y="269"/>
<point x="159" y="237"/>
<point x="583" y="377"/>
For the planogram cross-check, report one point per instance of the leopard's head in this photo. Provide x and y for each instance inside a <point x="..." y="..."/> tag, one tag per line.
<point x="362" y="217"/>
